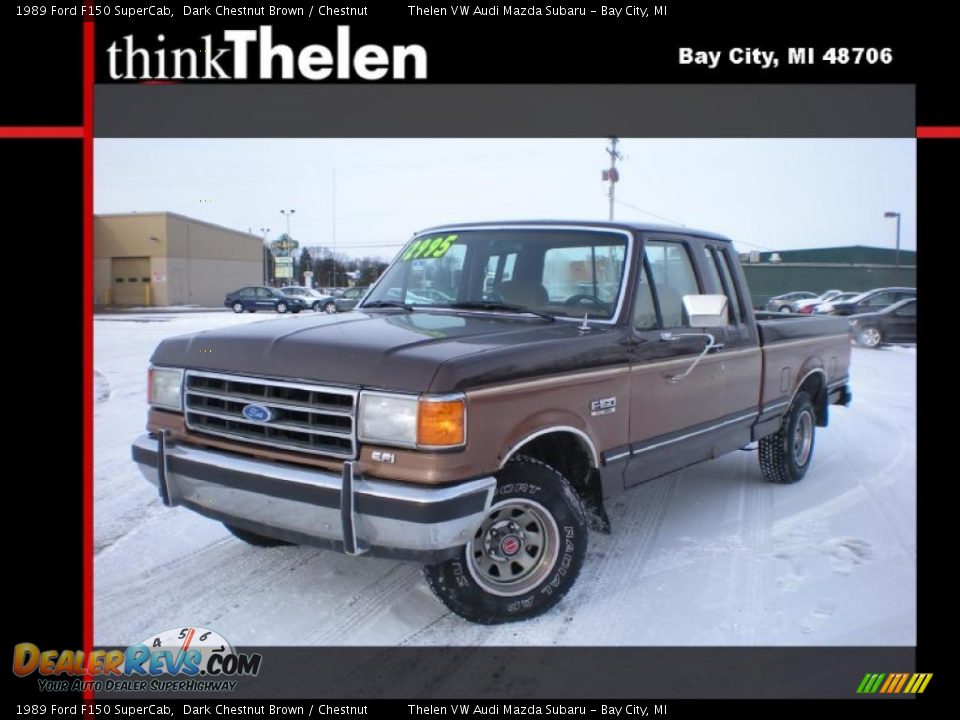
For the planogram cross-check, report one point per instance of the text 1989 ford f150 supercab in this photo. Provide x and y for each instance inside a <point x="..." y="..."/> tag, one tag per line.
<point x="493" y="392"/>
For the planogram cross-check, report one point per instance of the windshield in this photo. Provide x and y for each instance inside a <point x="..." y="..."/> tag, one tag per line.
<point x="553" y="271"/>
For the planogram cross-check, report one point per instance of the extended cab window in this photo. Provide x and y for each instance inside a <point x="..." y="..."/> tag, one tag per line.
<point x="718" y="267"/>
<point x="673" y="277"/>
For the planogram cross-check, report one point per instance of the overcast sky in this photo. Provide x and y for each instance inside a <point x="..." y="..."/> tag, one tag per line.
<point x="764" y="193"/>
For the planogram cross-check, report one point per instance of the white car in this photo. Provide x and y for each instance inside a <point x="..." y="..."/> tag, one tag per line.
<point x="311" y="298"/>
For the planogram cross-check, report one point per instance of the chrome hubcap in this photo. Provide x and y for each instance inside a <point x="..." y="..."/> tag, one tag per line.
<point x="870" y="336"/>
<point x="803" y="438"/>
<point x="514" y="548"/>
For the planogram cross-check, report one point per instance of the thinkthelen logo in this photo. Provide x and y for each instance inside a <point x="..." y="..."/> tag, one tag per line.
<point x="894" y="683"/>
<point x="253" y="55"/>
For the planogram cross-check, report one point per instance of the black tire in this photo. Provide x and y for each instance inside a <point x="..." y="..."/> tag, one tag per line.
<point x="869" y="337"/>
<point x="330" y="308"/>
<point x="316" y="306"/>
<point x="252" y="538"/>
<point x="785" y="456"/>
<point x="281" y="307"/>
<point x="553" y="542"/>
<point x="237" y="307"/>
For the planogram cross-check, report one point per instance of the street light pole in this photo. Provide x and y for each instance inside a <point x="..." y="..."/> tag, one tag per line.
<point x="896" y="256"/>
<point x="265" y="231"/>
<point x="287" y="214"/>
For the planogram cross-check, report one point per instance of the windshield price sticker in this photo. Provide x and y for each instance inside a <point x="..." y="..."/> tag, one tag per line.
<point x="429" y="247"/>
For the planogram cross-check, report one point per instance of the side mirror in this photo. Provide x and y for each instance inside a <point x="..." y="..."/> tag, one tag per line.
<point x="706" y="311"/>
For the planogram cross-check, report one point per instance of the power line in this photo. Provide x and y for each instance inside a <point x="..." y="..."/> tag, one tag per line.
<point x="651" y="214"/>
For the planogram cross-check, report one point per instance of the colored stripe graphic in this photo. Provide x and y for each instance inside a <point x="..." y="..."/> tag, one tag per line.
<point x="938" y="131"/>
<point x="894" y="683"/>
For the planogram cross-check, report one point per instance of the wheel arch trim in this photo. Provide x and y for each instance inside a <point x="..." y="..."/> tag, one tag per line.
<point x="585" y="439"/>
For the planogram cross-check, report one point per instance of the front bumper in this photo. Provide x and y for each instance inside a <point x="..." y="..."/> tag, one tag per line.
<point x="307" y="506"/>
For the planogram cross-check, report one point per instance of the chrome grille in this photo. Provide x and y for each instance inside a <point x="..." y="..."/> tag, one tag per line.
<point x="304" y="417"/>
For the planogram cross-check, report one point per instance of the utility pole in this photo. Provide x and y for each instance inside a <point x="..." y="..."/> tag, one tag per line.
<point x="612" y="175"/>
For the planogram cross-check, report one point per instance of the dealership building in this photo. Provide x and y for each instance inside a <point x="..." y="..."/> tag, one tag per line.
<point x="162" y="258"/>
<point x="849" y="268"/>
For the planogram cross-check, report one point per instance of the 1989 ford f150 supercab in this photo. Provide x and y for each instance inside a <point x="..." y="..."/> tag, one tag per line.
<point x="493" y="392"/>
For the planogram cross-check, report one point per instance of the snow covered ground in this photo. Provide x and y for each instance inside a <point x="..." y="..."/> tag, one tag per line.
<point x="708" y="556"/>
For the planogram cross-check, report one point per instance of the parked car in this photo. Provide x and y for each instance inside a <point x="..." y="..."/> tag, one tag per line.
<point x="806" y="305"/>
<point x="312" y="298"/>
<point x="781" y="303"/>
<point x="260" y="297"/>
<point x="869" y="301"/>
<point x="349" y="298"/>
<point x="896" y="323"/>
<point x="486" y="437"/>
<point x="812" y="308"/>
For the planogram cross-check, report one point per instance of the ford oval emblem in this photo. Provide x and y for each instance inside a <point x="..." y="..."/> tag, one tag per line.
<point x="257" y="413"/>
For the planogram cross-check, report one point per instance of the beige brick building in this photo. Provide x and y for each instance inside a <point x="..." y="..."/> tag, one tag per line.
<point x="164" y="258"/>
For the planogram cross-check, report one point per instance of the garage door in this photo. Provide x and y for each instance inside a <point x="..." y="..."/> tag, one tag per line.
<point x="131" y="281"/>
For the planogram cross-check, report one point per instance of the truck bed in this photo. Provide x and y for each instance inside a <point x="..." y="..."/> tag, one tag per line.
<point x="777" y="327"/>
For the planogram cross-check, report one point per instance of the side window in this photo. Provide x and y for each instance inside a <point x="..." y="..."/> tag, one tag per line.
<point x="881" y="299"/>
<point x="644" y="309"/>
<point x="673" y="277"/>
<point x="264" y="293"/>
<point x="908" y="310"/>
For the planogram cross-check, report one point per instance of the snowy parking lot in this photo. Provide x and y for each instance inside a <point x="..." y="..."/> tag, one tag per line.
<point x="711" y="555"/>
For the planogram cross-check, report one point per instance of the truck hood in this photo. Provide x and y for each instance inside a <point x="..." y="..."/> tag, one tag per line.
<point x="413" y="352"/>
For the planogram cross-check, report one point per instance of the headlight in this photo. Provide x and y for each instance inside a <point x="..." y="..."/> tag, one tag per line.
<point x="427" y="422"/>
<point x="163" y="387"/>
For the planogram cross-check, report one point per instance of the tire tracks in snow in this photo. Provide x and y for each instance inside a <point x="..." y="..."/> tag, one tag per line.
<point x="752" y="572"/>
<point x="625" y="553"/>
<point x="207" y="582"/>
<point x="364" y="606"/>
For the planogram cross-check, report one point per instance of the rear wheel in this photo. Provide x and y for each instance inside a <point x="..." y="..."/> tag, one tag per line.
<point x="526" y="553"/>
<point x="238" y="307"/>
<point x="281" y="307"/>
<point x="785" y="456"/>
<point x="252" y="538"/>
<point x="330" y="308"/>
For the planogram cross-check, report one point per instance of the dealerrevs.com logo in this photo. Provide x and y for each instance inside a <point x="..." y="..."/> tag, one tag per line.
<point x="202" y="659"/>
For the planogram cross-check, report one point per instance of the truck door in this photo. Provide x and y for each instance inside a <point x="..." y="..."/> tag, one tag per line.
<point x="675" y="423"/>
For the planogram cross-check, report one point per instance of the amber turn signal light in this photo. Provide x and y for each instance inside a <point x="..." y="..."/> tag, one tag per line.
<point x="441" y="423"/>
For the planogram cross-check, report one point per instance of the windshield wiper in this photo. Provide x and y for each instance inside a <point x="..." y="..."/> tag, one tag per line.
<point x="388" y="304"/>
<point x="494" y="306"/>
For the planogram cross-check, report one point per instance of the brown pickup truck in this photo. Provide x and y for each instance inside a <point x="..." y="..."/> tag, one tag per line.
<point x="491" y="394"/>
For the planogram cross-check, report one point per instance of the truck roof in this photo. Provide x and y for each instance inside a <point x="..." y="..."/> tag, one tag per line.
<point x="616" y="225"/>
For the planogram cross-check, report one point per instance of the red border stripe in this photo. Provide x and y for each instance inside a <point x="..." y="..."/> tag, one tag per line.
<point x="938" y="131"/>
<point x="41" y="133"/>
<point x="87" y="418"/>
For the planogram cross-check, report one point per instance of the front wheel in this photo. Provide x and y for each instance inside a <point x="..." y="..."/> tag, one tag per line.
<point x="785" y="309"/>
<point x="238" y="307"/>
<point x="281" y="307"/>
<point x="785" y="456"/>
<point x="869" y="337"/>
<point x="526" y="553"/>
<point x="330" y="308"/>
